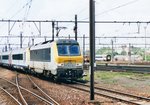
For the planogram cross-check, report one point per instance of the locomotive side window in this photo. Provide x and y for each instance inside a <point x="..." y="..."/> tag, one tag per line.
<point x="41" y="55"/>
<point x="46" y="54"/>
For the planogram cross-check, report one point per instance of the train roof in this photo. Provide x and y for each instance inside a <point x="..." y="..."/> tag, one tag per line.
<point x="59" y="41"/>
<point x="66" y="41"/>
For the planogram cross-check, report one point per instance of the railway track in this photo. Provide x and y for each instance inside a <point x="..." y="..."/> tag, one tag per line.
<point x="27" y="96"/>
<point x="11" y="92"/>
<point x="20" y="94"/>
<point x="11" y="96"/>
<point x="129" y="68"/>
<point x="43" y="93"/>
<point x="113" y="94"/>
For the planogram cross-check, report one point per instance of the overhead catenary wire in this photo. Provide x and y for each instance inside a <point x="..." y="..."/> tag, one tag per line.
<point x="117" y="7"/>
<point x="28" y="3"/>
<point x="28" y="6"/>
<point x="13" y="4"/>
<point x="16" y="13"/>
<point x="114" y="8"/>
<point x="80" y="22"/>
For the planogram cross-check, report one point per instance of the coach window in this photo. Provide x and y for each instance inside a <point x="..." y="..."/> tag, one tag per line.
<point x="5" y="57"/>
<point x="17" y="57"/>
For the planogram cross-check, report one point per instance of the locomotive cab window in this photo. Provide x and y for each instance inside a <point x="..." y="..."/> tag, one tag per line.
<point x="74" y="50"/>
<point x="68" y="49"/>
<point x="62" y="50"/>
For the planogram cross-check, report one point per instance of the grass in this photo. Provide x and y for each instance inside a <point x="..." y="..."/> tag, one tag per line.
<point x="122" y="79"/>
<point x="110" y="77"/>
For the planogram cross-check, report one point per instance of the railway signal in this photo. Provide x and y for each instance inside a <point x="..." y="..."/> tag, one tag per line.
<point x="75" y="28"/>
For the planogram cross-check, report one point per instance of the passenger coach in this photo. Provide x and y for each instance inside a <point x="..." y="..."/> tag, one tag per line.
<point x="58" y="59"/>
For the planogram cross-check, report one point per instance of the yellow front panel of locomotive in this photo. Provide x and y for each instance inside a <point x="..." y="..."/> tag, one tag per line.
<point x="62" y="59"/>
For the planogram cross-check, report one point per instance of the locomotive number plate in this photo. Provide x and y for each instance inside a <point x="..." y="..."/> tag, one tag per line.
<point x="69" y="65"/>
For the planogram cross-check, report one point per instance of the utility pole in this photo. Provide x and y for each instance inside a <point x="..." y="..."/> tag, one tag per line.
<point x="145" y="45"/>
<point x="32" y="41"/>
<point x="53" y="27"/>
<point x="9" y="47"/>
<point x="45" y="38"/>
<point x="5" y="48"/>
<point x="8" y="34"/>
<point x="83" y="48"/>
<point x="69" y="36"/>
<point x="76" y="28"/>
<point x="129" y="54"/>
<point x="112" y="51"/>
<point x="83" y="45"/>
<point x="92" y="46"/>
<point x="20" y="39"/>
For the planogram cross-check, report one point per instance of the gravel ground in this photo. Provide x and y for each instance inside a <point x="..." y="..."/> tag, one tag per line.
<point x="69" y="96"/>
<point x="138" y="84"/>
<point x="26" y="83"/>
<point x="4" y="99"/>
<point x="64" y="95"/>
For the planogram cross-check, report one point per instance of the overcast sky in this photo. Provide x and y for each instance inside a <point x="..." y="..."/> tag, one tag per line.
<point x="115" y="10"/>
<point x="66" y="9"/>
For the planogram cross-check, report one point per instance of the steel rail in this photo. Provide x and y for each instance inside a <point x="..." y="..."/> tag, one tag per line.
<point x="136" y="69"/>
<point x="42" y="91"/>
<point x="20" y="94"/>
<point x="29" y="91"/>
<point x="105" y="95"/>
<point x="118" y="92"/>
<point x="16" y="100"/>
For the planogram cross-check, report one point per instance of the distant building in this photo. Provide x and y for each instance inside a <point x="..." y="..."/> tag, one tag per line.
<point x="133" y="58"/>
<point x="121" y="58"/>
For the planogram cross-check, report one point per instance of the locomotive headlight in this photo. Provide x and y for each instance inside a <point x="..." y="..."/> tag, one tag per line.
<point x="79" y="65"/>
<point x="60" y="65"/>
